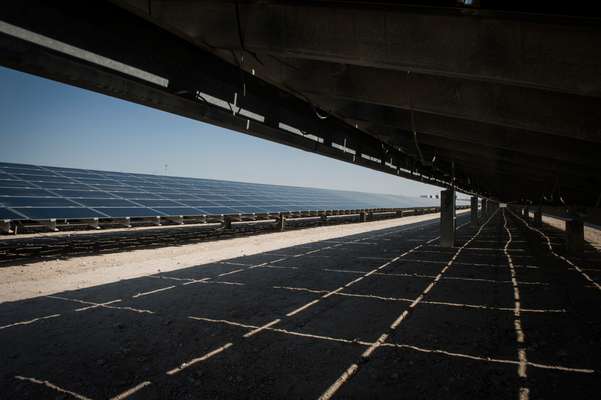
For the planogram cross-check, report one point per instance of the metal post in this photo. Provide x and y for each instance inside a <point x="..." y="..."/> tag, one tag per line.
<point x="474" y="211"/>
<point x="447" y="218"/>
<point x="484" y="210"/>
<point x="363" y="216"/>
<point x="526" y="213"/>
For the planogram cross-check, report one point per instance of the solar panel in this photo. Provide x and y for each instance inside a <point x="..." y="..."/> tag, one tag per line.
<point x="30" y="192"/>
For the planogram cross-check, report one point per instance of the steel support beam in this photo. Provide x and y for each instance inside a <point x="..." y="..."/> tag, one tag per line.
<point x="445" y="128"/>
<point x="402" y="38"/>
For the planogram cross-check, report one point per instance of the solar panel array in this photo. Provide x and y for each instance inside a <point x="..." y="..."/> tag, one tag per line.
<point x="30" y="192"/>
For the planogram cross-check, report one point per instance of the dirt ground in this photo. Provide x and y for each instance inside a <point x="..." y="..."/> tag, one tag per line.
<point x="47" y="277"/>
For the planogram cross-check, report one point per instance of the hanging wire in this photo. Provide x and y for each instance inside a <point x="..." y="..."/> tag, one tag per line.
<point x="241" y="37"/>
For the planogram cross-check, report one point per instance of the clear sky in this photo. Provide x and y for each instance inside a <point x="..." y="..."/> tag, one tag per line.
<point x="49" y="123"/>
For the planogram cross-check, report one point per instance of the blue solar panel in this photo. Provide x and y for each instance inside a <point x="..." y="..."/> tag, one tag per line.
<point x="175" y="211"/>
<point x="36" y="192"/>
<point x="106" y="203"/>
<point x="36" y="202"/>
<point x="133" y="212"/>
<point x="5" y="213"/>
<point x="58" y="213"/>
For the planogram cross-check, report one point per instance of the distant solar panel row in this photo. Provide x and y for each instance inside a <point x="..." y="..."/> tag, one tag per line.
<point x="38" y="193"/>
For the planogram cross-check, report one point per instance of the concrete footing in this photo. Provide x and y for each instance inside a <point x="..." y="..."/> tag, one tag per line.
<point x="447" y="218"/>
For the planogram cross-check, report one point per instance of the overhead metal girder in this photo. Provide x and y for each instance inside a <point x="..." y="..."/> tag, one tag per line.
<point x="530" y="50"/>
<point x="534" y="164"/>
<point x="495" y="136"/>
<point x="552" y="113"/>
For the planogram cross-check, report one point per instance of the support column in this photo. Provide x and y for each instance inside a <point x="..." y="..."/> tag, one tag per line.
<point x="538" y="216"/>
<point x="363" y="216"/>
<point x="474" y="211"/>
<point x="447" y="218"/>
<point x="575" y="235"/>
<point x="526" y="213"/>
<point x="280" y="223"/>
<point x="484" y="210"/>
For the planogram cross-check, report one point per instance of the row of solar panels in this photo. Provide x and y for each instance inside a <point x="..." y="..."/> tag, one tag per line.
<point x="38" y="192"/>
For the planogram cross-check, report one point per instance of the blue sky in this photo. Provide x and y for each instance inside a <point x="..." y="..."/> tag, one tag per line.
<point x="49" y="123"/>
